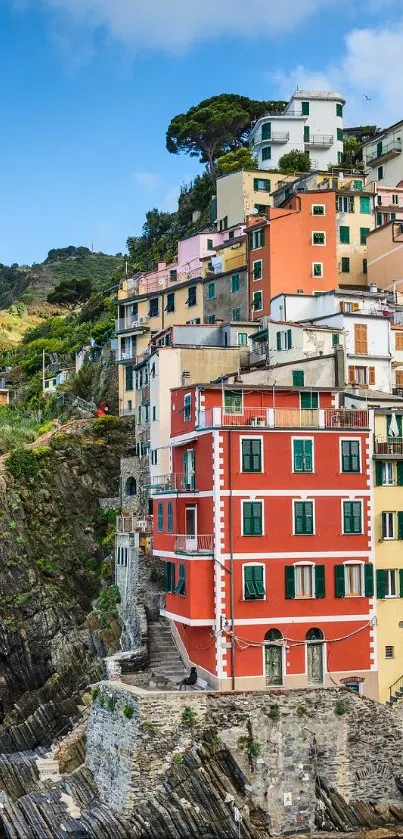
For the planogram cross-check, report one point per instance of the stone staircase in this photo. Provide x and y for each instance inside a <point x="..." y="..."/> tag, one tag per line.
<point x="163" y="656"/>
<point x="395" y="691"/>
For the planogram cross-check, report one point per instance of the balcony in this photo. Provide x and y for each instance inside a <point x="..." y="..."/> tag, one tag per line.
<point x="126" y="355"/>
<point x="322" y="140"/>
<point x="330" y="418"/>
<point x="126" y="524"/>
<point x="389" y="446"/>
<point x="172" y="482"/>
<point x="386" y="152"/>
<point x="196" y="544"/>
<point x="278" y="137"/>
<point x="131" y="324"/>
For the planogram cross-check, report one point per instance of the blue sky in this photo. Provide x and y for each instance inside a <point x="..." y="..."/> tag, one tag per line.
<point x="89" y="87"/>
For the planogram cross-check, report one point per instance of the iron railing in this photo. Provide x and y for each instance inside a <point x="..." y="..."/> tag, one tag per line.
<point x="284" y="418"/>
<point x="172" y="482"/>
<point x="396" y="690"/>
<point x="320" y="140"/>
<point x="389" y="445"/>
<point x="200" y="543"/>
<point x="390" y="148"/>
<point x="126" y="524"/>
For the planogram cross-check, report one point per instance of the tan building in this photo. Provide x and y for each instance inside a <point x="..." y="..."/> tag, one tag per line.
<point x="245" y="193"/>
<point x="385" y="256"/>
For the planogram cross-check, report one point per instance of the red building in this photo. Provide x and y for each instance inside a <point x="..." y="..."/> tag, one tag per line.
<point x="263" y="526"/>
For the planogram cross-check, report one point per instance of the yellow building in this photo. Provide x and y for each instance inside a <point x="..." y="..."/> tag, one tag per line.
<point x="355" y="220"/>
<point x="388" y="541"/>
<point x="232" y="255"/>
<point x="245" y="193"/>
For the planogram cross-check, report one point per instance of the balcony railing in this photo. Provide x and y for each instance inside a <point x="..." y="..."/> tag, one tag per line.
<point x="389" y="445"/>
<point x="284" y="418"/>
<point x="388" y="149"/>
<point x="126" y="355"/>
<point x="126" y="524"/>
<point x="279" y="137"/>
<point x="197" y="544"/>
<point x="124" y="324"/>
<point x="320" y="140"/>
<point x="172" y="482"/>
<point x="397" y="391"/>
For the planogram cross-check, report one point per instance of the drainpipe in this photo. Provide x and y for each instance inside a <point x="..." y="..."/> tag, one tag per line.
<point x="231" y="564"/>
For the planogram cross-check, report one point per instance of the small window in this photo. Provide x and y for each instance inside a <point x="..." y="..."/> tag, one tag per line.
<point x="257" y="302"/>
<point x="180" y="587"/>
<point x="339" y="109"/>
<point x="266" y="131"/>
<point x="170" y="307"/>
<point x="387" y="478"/>
<point x="252" y="518"/>
<point x="169" y="577"/>
<point x="298" y="378"/>
<point x="365" y="266"/>
<point x="154" y="307"/>
<point x="211" y="291"/>
<point x="352" y="517"/>
<point x="191" y="301"/>
<point x="353" y="580"/>
<point x="335" y="339"/>
<point x="317" y="269"/>
<point x="210" y="318"/>
<point x="210" y="245"/>
<point x="251" y="455"/>
<point x="344" y="234"/>
<point x="256" y="240"/>
<point x="365" y="205"/>
<point x="389" y="652"/>
<point x="363" y="235"/>
<point x="318" y="209"/>
<point x="390" y="579"/>
<point x="160" y="517"/>
<point x="266" y="153"/>
<point x="233" y="402"/>
<point x="253" y="582"/>
<point x="340" y="135"/>
<point x="187" y="407"/>
<point x="236" y="314"/>
<point x="131" y="487"/>
<point x="305" y="109"/>
<point x="261" y="185"/>
<point x="395" y="198"/>
<point x="302" y="455"/>
<point x="340" y="157"/>
<point x="242" y="339"/>
<point x="47" y="383"/>
<point x="380" y="173"/>
<point x="358" y="186"/>
<point x="345" y="203"/>
<point x="388" y="526"/>
<point x="350" y="456"/>
<point x="304" y="580"/>
<point x="257" y="270"/>
<point x="309" y="401"/>
<point x="345" y="265"/>
<point x="170" y="517"/>
<point x="318" y="238"/>
<point x="303" y="518"/>
<point x="235" y="283"/>
<point x="307" y="134"/>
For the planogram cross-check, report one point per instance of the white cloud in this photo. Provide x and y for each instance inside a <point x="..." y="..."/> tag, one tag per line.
<point x="169" y="201"/>
<point x="148" y="180"/>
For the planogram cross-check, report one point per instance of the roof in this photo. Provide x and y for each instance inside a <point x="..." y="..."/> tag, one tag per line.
<point x="381" y="134"/>
<point x="324" y="95"/>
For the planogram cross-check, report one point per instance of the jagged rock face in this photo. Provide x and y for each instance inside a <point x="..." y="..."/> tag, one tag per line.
<point x="50" y="571"/>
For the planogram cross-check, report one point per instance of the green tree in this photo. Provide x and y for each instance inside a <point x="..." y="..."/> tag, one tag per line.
<point x="295" y="161"/>
<point x="235" y="160"/>
<point x="215" y="126"/>
<point x="156" y="242"/>
<point x="70" y="293"/>
<point x="351" y="150"/>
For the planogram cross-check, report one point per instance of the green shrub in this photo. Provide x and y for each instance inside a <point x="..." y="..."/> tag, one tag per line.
<point x="128" y="711"/>
<point x="301" y="711"/>
<point x="189" y="717"/>
<point x="111" y="703"/>
<point x="94" y="693"/>
<point x="102" y="425"/>
<point x="22" y="463"/>
<point x="177" y="759"/>
<point x="101" y="700"/>
<point x="254" y="748"/>
<point x="340" y="707"/>
<point x="274" y="713"/>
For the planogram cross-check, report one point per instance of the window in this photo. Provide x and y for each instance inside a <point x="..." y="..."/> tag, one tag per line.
<point x="340" y="134"/>
<point x="169" y="577"/>
<point x="170" y="517"/>
<point x="298" y="378"/>
<point x="211" y="291"/>
<point x="345" y="203"/>
<point x="235" y="283"/>
<point x="251" y="454"/>
<point x="210" y="318"/>
<point x="242" y="339"/>
<point x="345" y="265"/>
<point x="317" y="269"/>
<point x="262" y="209"/>
<point x="284" y="340"/>
<point x="352" y="517"/>
<point x="305" y="109"/>
<point x="361" y="375"/>
<point x="388" y="583"/>
<point x="191" y="301"/>
<point x="380" y="173"/>
<point x="344" y="235"/>
<point x="210" y="245"/>
<point x="266" y="131"/>
<point x="252" y="518"/>
<point x="386" y="473"/>
<point x="170" y="307"/>
<point x="154" y="413"/>
<point x="146" y="412"/>
<point x="388" y="525"/>
<point x="233" y="402"/>
<point x="340" y="157"/>
<point x="253" y="582"/>
<point x="389" y="652"/>
<point x="395" y="198"/>
<point x="318" y="238"/>
<point x="187" y="407"/>
<point x="47" y="383"/>
<point x="189" y="470"/>
<point x="160" y="517"/>
<point x="303" y="518"/>
<point x="154" y="307"/>
<point x="309" y="401"/>
<point x="360" y="339"/>
<point x="365" y="266"/>
<point x="129" y="377"/>
<point x="261" y="185"/>
<point x="339" y="109"/>
<point x="307" y="134"/>
<point x="358" y="186"/>
<point x="399" y="340"/>
<point x="236" y="314"/>
<point x="180" y="587"/>
<point x="256" y="240"/>
<point x="353" y="581"/>
<point x="304" y="580"/>
<point x="266" y="153"/>
<point x="363" y="235"/>
<point x="257" y="270"/>
<point x="302" y="454"/>
<point x="379" y="219"/>
<point x="335" y="339"/>
<point x="257" y="302"/>
<point x="350" y="456"/>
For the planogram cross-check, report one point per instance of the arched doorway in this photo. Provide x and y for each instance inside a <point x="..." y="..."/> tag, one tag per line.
<point x="314" y="654"/>
<point x="273" y="657"/>
<point x="131" y="486"/>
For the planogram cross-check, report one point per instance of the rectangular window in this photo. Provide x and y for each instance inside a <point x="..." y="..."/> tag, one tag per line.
<point x="253" y="582"/>
<point x="318" y="209"/>
<point x="180" y="587"/>
<point x="340" y="157"/>
<point x="169" y="577"/>
<point x="284" y="340"/>
<point x="318" y="238"/>
<point x="129" y="377"/>
<point x="252" y="518"/>
<point x="210" y="318"/>
<point x="340" y="135"/>
<point x="352" y="517"/>
<point x="187" y="407"/>
<point x="380" y="173"/>
<point x="242" y="339"/>
<point x="345" y="265"/>
<point x="210" y="245"/>
<point x="189" y="472"/>
<point x="266" y="131"/>
<point x="191" y="301"/>
<point x="154" y="307"/>
<point x="298" y="378"/>
<point x="391" y="588"/>
<point x="233" y="402"/>
<point x="236" y="314"/>
<point x="309" y="401"/>
<point x="358" y="186"/>
<point x="170" y="307"/>
<point x="154" y="413"/>
<point x="160" y="517"/>
<point x="307" y="134"/>
<point x="353" y="580"/>
<point x="305" y="109"/>
<point x="361" y="339"/>
<point x="344" y="235"/>
<point x="363" y="235"/>
<point x="303" y="518"/>
<point x="365" y="266"/>
<point x="147" y="412"/>
<point x="345" y="203"/>
<point x="170" y="518"/>
<point x="235" y="283"/>
<point x="339" y="109"/>
<point x="211" y="291"/>
<point x="387" y="479"/>
<point x="266" y="153"/>
<point x="350" y="456"/>
<point x="399" y="340"/>
<point x="256" y="240"/>
<point x="335" y="339"/>
<point x="317" y="269"/>
<point x="302" y="455"/>
<point x="389" y="652"/>
<point x="257" y="270"/>
<point x="304" y="580"/>
<point x="251" y="455"/>
<point x="261" y="185"/>
<point x="388" y="525"/>
<point x="365" y="205"/>
<point x="257" y="302"/>
<point x="47" y="383"/>
<point x="379" y="219"/>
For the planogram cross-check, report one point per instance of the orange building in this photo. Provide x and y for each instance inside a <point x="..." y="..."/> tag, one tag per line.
<point x="264" y="528"/>
<point x="292" y="250"/>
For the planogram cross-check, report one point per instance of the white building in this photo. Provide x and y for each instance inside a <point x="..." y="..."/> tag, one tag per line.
<point x="382" y="156"/>
<point x="312" y="121"/>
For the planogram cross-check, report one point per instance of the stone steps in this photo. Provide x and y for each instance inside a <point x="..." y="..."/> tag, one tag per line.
<point x="163" y="656"/>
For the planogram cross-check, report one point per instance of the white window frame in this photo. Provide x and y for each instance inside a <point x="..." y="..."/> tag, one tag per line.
<point x="390" y="571"/>
<point x="305" y="564"/>
<point x="355" y="500"/>
<point x="251" y="437"/>
<point x="349" y="440"/>
<point x="361" y="565"/>
<point x="388" y="464"/>
<point x="254" y="565"/>
<point x="319" y="244"/>
<point x="242" y="343"/>
<point x="312" y="439"/>
<point x="319" y="215"/>
<point x="392" y="519"/>
<point x="258" y="279"/>
<point x="227" y="413"/>
<point x="252" y="501"/>
<point x="303" y="501"/>
<point x="261" y="296"/>
<point x="317" y="276"/>
<point x="185" y="397"/>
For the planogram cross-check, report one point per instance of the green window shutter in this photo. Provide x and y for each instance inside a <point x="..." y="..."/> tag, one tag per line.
<point x="335" y="340"/>
<point x="383" y="525"/>
<point x="160" y="517"/>
<point x="298" y="455"/>
<point x="249" y="588"/>
<point x="289" y="339"/>
<point x="378" y="473"/>
<point x="365" y="204"/>
<point x="289" y="582"/>
<point x="309" y="401"/>
<point x="308" y="460"/>
<point x="363" y="235"/>
<point x="308" y="511"/>
<point x="266" y="131"/>
<point x="251" y="456"/>
<point x="305" y="109"/>
<point x="340" y="134"/>
<point x="340" y="586"/>
<point x="258" y="580"/>
<point x="247" y="518"/>
<point x="266" y="154"/>
<point x="166" y="575"/>
<point x="400" y="524"/>
<point x="380" y="584"/>
<point x="129" y="377"/>
<point x="339" y="110"/>
<point x="180" y="588"/>
<point x="298" y="517"/>
<point x="345" y="264"/>
<point x="170" y="517"/>
<point x="267" y="188"/>
<point x="320" y="588"/>
<point x="246" y="456"/>
<point x="344" y="234"/>
<point x="398" y="422"/>
<point x="400" y="473"/>
<point x="278" y="340"/>
<point x="257" y="518"/>
<point x="298" y="378"/>
<point x="369" y="580"/>
<point x="307" y="133"/>
<point x="171" y="577"/>
<point x="379" y="219"/>
<point x="401" y="582"/>
<point x="255" y="187"/>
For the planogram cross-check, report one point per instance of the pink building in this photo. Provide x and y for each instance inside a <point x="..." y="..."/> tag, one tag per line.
<point x="388" y="203"/>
